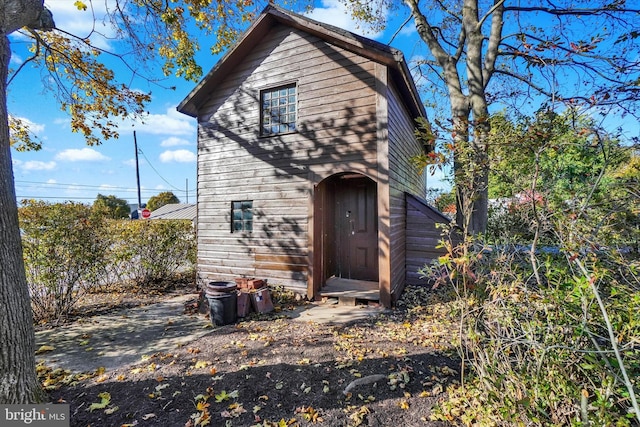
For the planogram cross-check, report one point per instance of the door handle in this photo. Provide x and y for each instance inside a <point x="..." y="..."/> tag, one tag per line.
<point x="353" y="231"/>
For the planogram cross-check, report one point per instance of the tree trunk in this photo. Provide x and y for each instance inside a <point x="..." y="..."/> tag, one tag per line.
<point x="470" y="166"/>
<point x="480" y="211"/>
<point x="478" y="105"/>
<point x="460" y="119"/>
<point x="18" y="379"/>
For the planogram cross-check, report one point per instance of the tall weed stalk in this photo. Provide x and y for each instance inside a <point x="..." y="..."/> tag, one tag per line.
<point x="549" y="334"/>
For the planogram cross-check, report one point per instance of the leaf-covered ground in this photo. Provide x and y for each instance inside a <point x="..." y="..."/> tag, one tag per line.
<point x="269" y="370"/>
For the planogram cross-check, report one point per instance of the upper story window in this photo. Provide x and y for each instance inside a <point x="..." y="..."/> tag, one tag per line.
<point x="278" y="110"/>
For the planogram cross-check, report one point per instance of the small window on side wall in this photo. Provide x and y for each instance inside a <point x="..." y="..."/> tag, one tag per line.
<point x="278" y="110"/>
<point x="242" y="216"/>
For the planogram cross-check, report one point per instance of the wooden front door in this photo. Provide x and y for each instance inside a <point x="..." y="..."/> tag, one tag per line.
<point x="356" y="228"/>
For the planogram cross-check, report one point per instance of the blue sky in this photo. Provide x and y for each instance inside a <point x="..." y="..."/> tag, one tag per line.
<point x="67" y="169"/>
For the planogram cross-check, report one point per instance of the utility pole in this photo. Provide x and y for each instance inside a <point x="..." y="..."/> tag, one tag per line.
<point x="186" y="192"/>
<point x="135" y="144"/>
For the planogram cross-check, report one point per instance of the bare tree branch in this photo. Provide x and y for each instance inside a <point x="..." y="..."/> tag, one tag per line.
<point x="497" y="21"/>
<point x="571" y="12"/>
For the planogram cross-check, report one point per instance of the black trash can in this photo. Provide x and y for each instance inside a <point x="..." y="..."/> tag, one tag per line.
<point x="223" y="302"/>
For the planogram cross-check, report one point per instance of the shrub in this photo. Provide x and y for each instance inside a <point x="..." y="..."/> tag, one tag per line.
<point x="149" y="251"/>
<point x="64" y="248"/>
<point x="556" y="349"/>
<point x="70" y="248"/>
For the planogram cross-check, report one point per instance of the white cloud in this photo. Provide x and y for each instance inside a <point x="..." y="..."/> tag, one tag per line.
<point x="180" y="156"/>
<point x="74" y="189"/>
<point x="132" y="162"/>
<point x="36" y="165"/>
<point x="63" y="121"/>
<point x="51" y="181"/>
<point x="35" y="128"/>
<point x="107" y="187"/>
<point x="335" y="13"/>
<point x="409" y="29"/>
<point x="170" y="123"/>
<point x="173" y="141"/>
<point x="16" y="59"/>
<point x="81" y="155"/>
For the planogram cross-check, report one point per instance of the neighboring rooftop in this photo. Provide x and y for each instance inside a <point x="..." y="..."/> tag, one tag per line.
<point x="175" y="211"/>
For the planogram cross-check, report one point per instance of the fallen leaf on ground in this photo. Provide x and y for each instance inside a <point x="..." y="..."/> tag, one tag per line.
<point x="105" y="398"/>
<point x="110" y="411"/>
<point x="45" y="348"/>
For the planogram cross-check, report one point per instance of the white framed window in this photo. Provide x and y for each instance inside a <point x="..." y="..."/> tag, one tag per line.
<point x="278" y="110"/>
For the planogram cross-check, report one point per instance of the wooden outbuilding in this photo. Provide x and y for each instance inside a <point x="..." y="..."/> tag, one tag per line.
<point x="305" y="135"/>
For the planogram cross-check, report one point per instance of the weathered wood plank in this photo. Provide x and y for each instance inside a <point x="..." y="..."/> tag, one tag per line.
<point x="338" y="124"/>
<point x="274" y="266"/>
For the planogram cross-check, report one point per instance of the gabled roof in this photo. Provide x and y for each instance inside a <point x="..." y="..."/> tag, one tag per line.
<point x="273" y="15"/>
<point x="175" y="211"/>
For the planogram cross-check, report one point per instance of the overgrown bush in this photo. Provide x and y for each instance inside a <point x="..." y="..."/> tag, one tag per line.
<point x="559" y="351"/>
<point x="511" y="222"/>
<point x="546" y="338"/>
<point x="64" y="248"/>
<point x="548" y="299"/>
<point x="148" y="251"/>
<point x="70" y="248"/>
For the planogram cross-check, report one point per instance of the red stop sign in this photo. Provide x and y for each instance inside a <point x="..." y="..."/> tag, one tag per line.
<point x="146" y="213"/>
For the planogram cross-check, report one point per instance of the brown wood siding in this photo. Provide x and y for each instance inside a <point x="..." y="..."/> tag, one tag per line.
<point x="336" y="123"/>
<point x="404" y="177"/>
<point x="422" y="237"/>
<point x="384" y="216"/>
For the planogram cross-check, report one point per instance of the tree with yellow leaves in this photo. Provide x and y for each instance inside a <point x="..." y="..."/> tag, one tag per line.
<point x="89" y="91"/>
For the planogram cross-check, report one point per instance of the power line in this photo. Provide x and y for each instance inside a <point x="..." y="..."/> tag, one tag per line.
<point x="158" y="173"/>
<point x="84" y="186"/>
<point x="53" y="197"/>
<point x="57" y="184"/>
<point x="122" y="189"/>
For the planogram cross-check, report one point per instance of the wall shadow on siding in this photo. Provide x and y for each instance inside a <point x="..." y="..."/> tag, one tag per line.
<point x="336" y="131"/>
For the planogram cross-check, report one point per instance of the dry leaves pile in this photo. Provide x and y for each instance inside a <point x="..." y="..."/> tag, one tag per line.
<point x="269" y="370"/>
